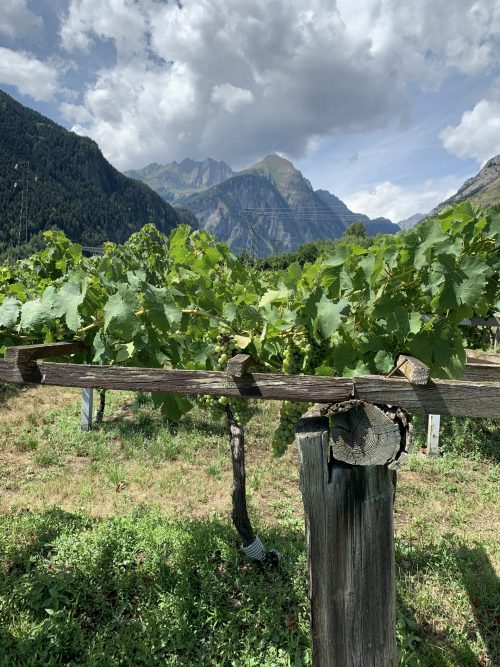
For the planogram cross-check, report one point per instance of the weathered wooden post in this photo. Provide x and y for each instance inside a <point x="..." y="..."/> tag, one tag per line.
<point x="348" y="493"/>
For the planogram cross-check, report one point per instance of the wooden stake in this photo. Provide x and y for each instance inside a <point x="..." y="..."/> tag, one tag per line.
<point x="413" y="369"/>
<point x="23" y="354"/>
<point x="238" y="365"/>
<point x="350" y="544"/>
<point x="239" y="512"/>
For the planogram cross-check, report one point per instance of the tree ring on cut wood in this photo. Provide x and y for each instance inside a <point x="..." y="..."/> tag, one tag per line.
<point x="365" y="434"/>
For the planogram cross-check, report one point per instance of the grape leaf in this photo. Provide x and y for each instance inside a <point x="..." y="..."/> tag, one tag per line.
<point x="330" y="314"/>
<point x="119" y="314"/>
<point x="9" y="312"/>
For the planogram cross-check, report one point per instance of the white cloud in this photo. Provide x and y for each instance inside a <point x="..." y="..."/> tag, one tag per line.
<point x="123" y="21"/>
<point x="239" y="79"/>
<point x="393" y="201"/>
<point x="28" y="74"/>
<point x="16" y="19"/>
<point x="231" y="97"/>
<point x="478" y="133"/>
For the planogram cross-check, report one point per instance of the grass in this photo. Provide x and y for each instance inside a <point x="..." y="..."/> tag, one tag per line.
<point x="116" y="546"/>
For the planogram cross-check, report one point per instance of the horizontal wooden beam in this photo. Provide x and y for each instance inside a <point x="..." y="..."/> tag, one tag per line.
<point x="446" y="397"/>
<point x="439" y="397"/>
<point x="23" y="354"/>
<point x="481" y="322"/>
<point x="218" y="383"/>
<point x="481" y="372"/>
<point x="413" y="369"/>
<point x="481" y="357"/>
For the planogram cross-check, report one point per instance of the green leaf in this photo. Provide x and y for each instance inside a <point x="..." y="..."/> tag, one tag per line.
<point x="125" y="352"/>
<point x="119" y="314"/>
<point x="360" y="368"/>
<point x="229" y="311"/>
<point x="415" y="322"/>
<point x="67" y="301"/>
<point x="464" y="285"/>
<point x="292" y="275"/>
<point x="273" y="296"/>
<point x="330" y="315"/>
<point x="35" y="315"/>
<point x="178" y="242"/>
<point x="173" y="406"/>
<point x="384" y="361"/>
<point x="242" y="342"/>
<point x="9" y="312"/>
<point x="161" y="308"/>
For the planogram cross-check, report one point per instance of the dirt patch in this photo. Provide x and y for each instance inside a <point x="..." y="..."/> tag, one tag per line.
<point x="31" y="404"/>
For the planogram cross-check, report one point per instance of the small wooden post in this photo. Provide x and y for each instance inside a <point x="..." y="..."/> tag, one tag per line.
<point x="433" y="435"/>
<point x="350" y="544"/>
<point x="86" y="414"/>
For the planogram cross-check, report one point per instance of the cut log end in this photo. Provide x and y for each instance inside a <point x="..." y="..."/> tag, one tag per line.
<point x="366" y="434"/>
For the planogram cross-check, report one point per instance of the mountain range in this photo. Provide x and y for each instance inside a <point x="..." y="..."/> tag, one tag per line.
<point x="50" y="177"/>
<point x="265" y="209"/>
<point x="53" y="178"/>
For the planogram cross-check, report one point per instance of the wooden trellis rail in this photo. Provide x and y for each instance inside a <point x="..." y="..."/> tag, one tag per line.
<point x="447" y="397"/>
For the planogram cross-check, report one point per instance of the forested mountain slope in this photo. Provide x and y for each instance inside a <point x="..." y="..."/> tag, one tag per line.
<point x="50" y="177"/>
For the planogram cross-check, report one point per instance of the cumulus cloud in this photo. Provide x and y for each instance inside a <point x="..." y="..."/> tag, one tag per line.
<point x="16" y="19"/>
<point x="236" y="80"/>
<point x="231" y="97"/>
<point x="478" y="133"/>
<point x="393" y="201"/>
<point x="28" y="74"/>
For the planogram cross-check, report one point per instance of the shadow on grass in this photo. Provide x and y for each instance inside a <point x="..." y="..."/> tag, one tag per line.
<point x="483" y="588"/>
<point x="9" y="390"/>
<point x="150" y="423"/>
<point x="146" y="590"/>
<point x="422" y="645"/>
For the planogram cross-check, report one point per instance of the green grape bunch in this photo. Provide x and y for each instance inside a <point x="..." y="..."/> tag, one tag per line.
<point x="239" y="408"/>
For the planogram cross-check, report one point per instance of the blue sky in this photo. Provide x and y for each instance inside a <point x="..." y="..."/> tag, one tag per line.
<point x="389" y="104"/>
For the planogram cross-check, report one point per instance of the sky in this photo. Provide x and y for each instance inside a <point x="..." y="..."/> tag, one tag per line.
<point x="389" y="104"/>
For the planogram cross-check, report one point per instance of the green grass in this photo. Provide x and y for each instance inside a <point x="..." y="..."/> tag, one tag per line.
<point x="139" y="565"/>
<point x="144" y="590"/>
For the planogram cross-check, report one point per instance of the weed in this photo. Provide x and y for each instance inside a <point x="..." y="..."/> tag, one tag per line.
<point x="25" y="443"/>
<point x="47" y="456"/>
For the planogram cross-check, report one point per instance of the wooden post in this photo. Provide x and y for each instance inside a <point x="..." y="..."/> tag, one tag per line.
<point x="239" y="512"/>
<point x="86" y="415"/>
<point x="350" y="544"/>
<point x="433" y="435"/>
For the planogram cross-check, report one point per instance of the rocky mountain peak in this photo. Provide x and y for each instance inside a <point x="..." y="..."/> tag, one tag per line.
<point x="484" y="188"/>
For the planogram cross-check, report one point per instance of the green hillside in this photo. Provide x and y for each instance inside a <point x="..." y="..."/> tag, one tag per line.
<point x="50" y="177"/>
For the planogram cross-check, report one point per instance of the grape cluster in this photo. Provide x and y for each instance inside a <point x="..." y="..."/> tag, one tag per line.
<point x="239" y="407"/>
<point x="224" y="348"/>
<point x="290" y="413"/>
<point x="299" y="357"/>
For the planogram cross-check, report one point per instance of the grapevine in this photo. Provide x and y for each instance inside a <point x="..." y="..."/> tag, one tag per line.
<point x="187" y="302"/>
